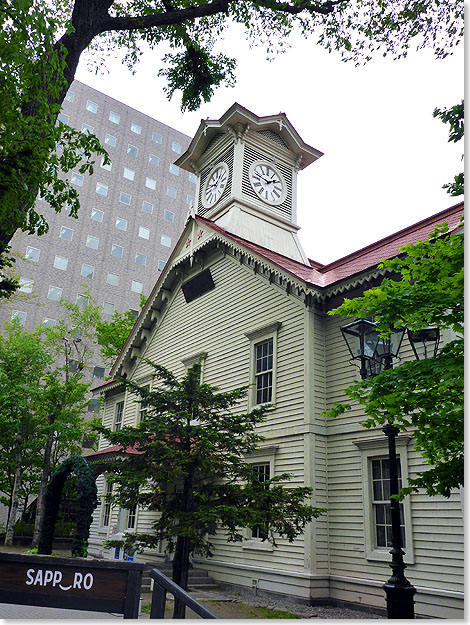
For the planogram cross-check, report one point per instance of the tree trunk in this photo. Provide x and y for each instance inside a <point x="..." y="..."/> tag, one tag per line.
<point x="46" y="471"/>
<point x="15" y="494"/>
<point x="183" y="549"/>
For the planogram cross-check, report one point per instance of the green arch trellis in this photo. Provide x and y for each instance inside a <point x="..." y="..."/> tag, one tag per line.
<point x="87" y="502"/>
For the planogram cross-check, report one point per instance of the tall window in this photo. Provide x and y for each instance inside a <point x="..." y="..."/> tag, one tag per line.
<point x="108" y="489"/>
<point x="262" y="471"/>
<point x="143" y="408"/>
<point x="380" y="469"/>
<point x="264" y="371"/>
<point x="118" y="412"/>
<point x="131" y="517"/>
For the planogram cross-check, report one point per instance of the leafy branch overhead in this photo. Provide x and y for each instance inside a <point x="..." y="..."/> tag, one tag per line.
<point x="424" y="396"/>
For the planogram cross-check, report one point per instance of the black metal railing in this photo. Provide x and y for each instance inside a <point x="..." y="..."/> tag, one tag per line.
<point x="162" y="584"/>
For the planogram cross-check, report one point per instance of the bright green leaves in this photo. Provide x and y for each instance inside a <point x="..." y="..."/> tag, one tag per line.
<point x="424" y="396"/>
<point x="455" y="117"/>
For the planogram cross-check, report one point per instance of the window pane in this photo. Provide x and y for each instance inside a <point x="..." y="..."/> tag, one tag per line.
<point x="94" y="405"/>
<point x="32" y="253"/>
<point x="174" y="169"/>
<point x="97" y="215"/>
<point x="141" y="259"/>
<point x="156" y="137"/>
<point x="150" y="183"/>
<point x="114" y="117"/>
<point x="91" y="106"/>
<point x="121" y="224"/>
<point x="147" y="207"/>
<point x="62" y="117"/>
<point x="136" y="286"/>
<point x="82" y="301"/>
<point x="92" y="242"/>
<point x="54" y="293"/>
<point x="20" y="315"/>
<point x="118" y="415"/>
<point x="110" y="140"/>
<point x="144" y="233"/>
<point x="153" y="160"/>
<point x="98" y="373"/>
<point x="86" y="128"/>
<point x="161" y="265"/>
<point x="136" y="128"/>
<point x="129" y="173"/>
<point x="77" y="179"/>
<point x="112" y="279"/>
<point x="116" y="251"/>
<point x="87" y="271"/>
<point x="106" y="166"/>
<point x="165" y="240"/>
<point x="125" y="198"/>
<point x="60" y="263"/>
<point x="189" y="200"/>
<point x="193" y="178"/>
<point x="171" y="192"/>
<point x="70" y="96"/>
<point x="169" y="216"/>
<point x="101" y="189"/>
<point x="66" y="233"/>
<point x="132" y="150"/>
<point x="26" y="285"/>
<point x="50" y="323"/>
<point x="176" y="147"/>
<point x="108" y="308"/>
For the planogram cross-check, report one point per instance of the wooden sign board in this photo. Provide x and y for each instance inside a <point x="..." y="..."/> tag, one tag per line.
<point x="73" y="583"/>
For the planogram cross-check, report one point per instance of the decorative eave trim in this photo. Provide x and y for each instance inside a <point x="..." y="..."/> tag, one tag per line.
<point x="108" y="386"/>
<point x="402" y="440"/>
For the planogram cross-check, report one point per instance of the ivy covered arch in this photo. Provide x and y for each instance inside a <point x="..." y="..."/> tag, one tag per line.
<point x="87" y="501"/>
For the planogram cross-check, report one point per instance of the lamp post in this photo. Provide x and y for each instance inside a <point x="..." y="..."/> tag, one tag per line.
<point x="376" y="353"/>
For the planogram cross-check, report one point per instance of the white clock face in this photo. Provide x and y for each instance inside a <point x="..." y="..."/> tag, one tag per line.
<point x="215" y="184"/>
<point x="267" y="183"/>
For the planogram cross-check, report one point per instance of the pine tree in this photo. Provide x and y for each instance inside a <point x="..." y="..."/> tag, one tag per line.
<point x="192" y="469"/>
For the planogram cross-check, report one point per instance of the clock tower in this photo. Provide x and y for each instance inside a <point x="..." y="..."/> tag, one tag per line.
<point x="247" y="177"/>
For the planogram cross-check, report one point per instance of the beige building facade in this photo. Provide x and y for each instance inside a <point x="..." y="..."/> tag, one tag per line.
<point x="265" y="297"/>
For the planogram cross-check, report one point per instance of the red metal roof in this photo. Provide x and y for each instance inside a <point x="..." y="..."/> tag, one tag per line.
<point x="370" y="256"/>
<point x="114" y="449"/>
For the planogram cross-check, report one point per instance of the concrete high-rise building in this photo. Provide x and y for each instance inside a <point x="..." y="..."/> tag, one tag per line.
<point x="132" y="213"/>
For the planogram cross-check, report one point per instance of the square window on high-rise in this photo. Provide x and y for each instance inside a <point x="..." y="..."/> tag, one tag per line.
<point x="87" y="129"/>
<point x="87" y="271"/>
<point x="140" y="259"/>
<point x="106" y="166"/>
<point x="20" y="315"/>
<point x="153" y="160"/>
<point x="147" y="207"/>
<point x="97" y="215"/>
<point x="26" y="285"/>
<point x="193" y="178"/>
<point x="132" y="150"/>
<point x="144" y="233"/>
<point x="114" y="117"/>
<point x="92" y="242"/>
<point x="121" y="224"/>
<point x="137" y="287"/>
<point x="54" y="293"/>
<point x="108" y="308"/>
<point x="101" y="189"/>
<point x="169" y="216"/>
<point x="171" y="192"/>
<point x="98" y="372"/>
<point x="116" y="251"/>
<point x="77" y="179"/>
<point x="62" y="117"/>
<point x="112" y="279"/>
<point x="174" y="169"/>
<point x="136" y="128"/>
<point x="176" y="147"/>
<point x="129" y="173"/>
<point x="50" y="323"/>
<point x="165" y="240"/>
<point x="60" y="263"/>
<point x="156" y="138"/>
<point x="66" y="233"/>
<point x="32" y="254"/>
<point x="150" y="183"/>
<point x="82" y="301"/>
<point x="91" y="106"/>
<point x="69" y="96"/>
<point x="125" y="198"/>
<point x="161" y="265"/>
<point x="190" y="200"/>
<point x="110" y="140"/>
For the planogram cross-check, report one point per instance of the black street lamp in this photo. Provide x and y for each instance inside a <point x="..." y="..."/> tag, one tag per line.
<point x="376" y="353"/>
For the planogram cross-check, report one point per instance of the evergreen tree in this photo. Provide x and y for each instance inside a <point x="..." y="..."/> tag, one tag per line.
<point x="192" y="469"/>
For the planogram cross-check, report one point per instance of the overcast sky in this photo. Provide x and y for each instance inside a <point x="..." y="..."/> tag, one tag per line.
<point x="385" y="156"/>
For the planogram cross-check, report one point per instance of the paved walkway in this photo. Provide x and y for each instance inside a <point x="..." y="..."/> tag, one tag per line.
<point x="31" y="613"/>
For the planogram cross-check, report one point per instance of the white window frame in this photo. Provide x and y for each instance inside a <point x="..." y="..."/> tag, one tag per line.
<point x="374" y="449"/>
<point x="106" y="508"/>
<point x="259" y="335"/>
<point x="115" y="412"/>
<point x="262" y="455"/>
<point x="191" y="360"/>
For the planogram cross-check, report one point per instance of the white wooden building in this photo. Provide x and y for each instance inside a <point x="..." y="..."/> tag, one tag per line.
<point x="239" y="282"/>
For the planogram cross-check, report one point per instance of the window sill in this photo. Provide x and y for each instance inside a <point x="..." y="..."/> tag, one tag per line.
<point x="256" y="544"/>
<point x="384" y="555"/>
